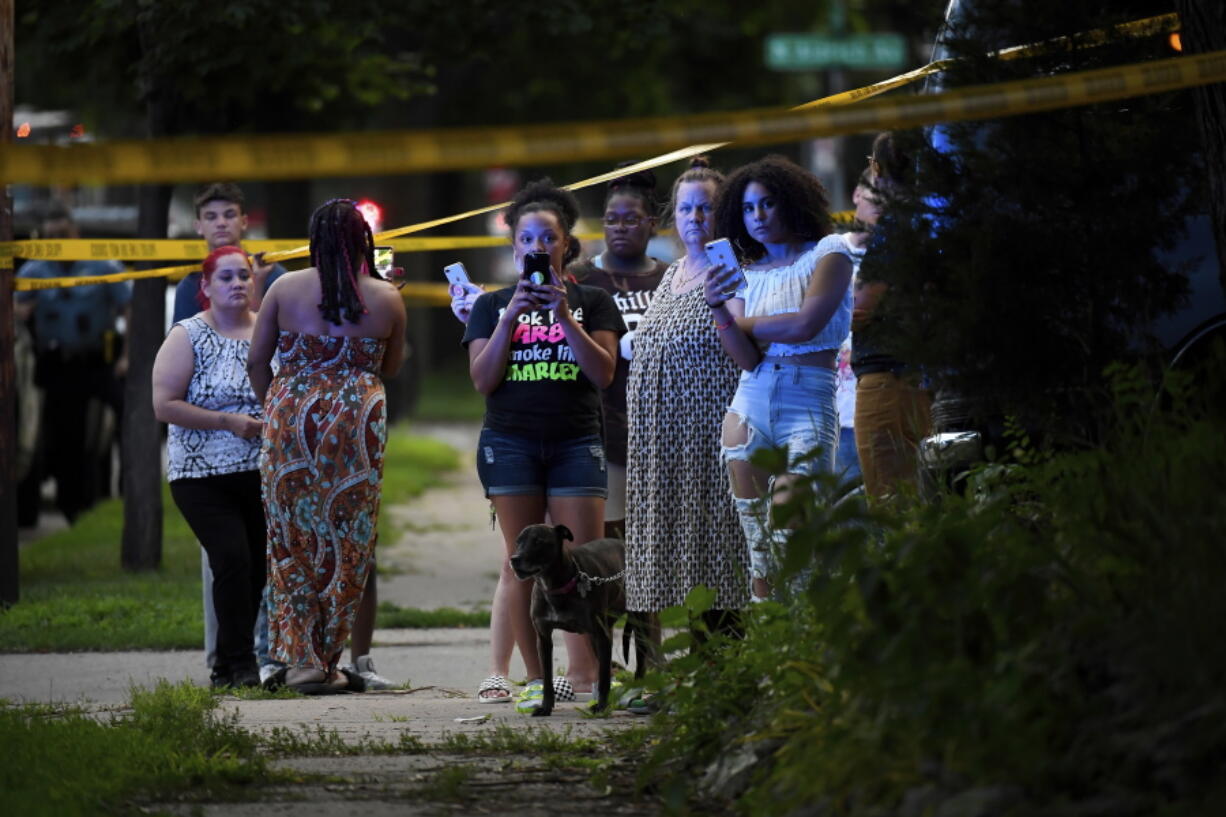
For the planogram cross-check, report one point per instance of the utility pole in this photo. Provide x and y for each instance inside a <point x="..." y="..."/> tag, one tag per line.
<point x="8" y="373"/>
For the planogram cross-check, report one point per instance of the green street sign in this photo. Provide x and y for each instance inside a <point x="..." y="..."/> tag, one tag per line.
<point x="806" y="52"/>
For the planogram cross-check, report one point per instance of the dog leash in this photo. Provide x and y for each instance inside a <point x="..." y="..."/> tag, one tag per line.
<point x="586" y="581"/>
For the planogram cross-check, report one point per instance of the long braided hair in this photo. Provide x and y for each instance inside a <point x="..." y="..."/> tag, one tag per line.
<point x="341" y="244"/>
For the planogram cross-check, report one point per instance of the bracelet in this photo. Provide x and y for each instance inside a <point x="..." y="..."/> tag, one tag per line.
<point x="719" y="327"/>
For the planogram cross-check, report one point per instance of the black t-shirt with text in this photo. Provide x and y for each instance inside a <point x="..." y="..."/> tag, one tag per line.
<point x="544" y="394"/>
<point x="632" y="294"/>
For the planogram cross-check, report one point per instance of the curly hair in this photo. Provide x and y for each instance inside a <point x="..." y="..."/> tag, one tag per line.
<point x="341" y="241"/>
<point x="803" y="207"/>
<point x="641" y="185"/>
<point x="209" y="266"/>
<point x="544" y="196"/>
<point x="700" y="170"/>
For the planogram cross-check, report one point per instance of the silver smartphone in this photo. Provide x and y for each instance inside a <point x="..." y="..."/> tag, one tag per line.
<point x="720" y="252"/>
<point x="456" y="274"/>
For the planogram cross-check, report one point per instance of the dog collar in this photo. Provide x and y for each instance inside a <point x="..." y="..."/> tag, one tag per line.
<point x="569" y="587"/>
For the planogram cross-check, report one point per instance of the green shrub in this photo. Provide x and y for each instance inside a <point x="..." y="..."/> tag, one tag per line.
<point x="1055" y="629"/>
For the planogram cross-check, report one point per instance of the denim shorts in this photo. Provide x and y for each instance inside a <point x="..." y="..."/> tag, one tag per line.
<point x="789" y="407"/>
<point x="513" y="465"/>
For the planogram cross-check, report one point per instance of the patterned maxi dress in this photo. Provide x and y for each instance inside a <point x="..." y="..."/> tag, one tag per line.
<point x="681" y="527"/>
<point x="321" y="469"/>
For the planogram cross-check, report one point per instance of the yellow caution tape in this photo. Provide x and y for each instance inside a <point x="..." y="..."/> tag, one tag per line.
<point x="317" y="155"/>
<point x="166" y="249"/>
<point x="775" y="126"/>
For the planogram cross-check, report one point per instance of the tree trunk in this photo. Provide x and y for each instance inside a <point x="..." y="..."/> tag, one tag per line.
<point x="8" y="374"/>
<point x="141" y="448"/>
<point x="1204" y="30"/>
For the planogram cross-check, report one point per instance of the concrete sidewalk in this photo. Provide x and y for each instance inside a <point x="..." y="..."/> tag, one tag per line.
<point x="439" y="665"/>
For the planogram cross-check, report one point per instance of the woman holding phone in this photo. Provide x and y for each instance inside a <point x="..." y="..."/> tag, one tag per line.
<point x="681" y="528"/>
<point x="781" y="318"/>
<point x="541" y="353"/>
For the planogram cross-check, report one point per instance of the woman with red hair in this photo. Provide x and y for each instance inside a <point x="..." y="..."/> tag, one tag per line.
<point x="201" y="389"/>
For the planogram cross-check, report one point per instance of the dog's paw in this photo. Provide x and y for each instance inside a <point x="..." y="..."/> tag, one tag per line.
<point x="542" y="712"/>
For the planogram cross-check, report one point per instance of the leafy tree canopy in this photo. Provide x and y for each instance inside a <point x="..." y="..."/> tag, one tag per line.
<point x="323" y="64"/>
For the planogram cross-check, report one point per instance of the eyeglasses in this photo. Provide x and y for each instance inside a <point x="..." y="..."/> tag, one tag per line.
<point x="630" y="221"/>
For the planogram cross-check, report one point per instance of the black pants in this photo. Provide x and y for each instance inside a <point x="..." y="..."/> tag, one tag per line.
<point x="76" y="452"/>
<point x="227" y="516"/>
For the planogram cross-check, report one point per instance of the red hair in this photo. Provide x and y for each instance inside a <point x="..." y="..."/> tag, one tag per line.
<point x="210" y="266"/>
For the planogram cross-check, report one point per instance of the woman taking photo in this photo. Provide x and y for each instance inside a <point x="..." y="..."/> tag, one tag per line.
<point x="792" y="297"/>
<point x="200" y="389"/>
<point x="630" y="275"/>
<point x="681" y="527"/>
<point x="540" y="353"/>
<point x="336" y="328"/>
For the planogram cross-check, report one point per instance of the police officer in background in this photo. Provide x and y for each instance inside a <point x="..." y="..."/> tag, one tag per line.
<point x="79" y="366"/>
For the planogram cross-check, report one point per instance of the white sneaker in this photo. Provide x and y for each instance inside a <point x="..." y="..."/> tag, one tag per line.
<point x="365" y="667"/>
<point x="269" y="670"/>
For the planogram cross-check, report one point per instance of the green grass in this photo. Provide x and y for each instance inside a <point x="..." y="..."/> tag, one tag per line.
<point x="65" y="762"/>
<point x="449" y="396"/>
<point x="75" y="596"/>
<point x="394" y="617"/>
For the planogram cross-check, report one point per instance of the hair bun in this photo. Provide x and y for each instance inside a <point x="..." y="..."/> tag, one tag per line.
<point x="700" y="161"/>
<point x="642" y="179"/>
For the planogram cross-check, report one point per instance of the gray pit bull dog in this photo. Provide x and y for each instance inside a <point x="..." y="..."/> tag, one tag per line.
<point x="580" y="591"/>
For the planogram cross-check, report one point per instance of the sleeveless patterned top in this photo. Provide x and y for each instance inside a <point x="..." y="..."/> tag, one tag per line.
<point x="782" y="289"/>
<point x="219" y="383"/>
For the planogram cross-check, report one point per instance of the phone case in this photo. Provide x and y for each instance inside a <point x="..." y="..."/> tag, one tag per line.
<point x="456" y="274"/>
<point x="720" y="251"/>
<point x="384" y="260"/>
<point x="536" y="267"/>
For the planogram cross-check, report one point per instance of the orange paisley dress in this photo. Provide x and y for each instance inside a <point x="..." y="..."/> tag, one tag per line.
<point x="321" y="471"/>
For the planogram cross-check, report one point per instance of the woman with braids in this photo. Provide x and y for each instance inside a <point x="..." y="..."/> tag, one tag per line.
<point x="336" y="328"/>
<point x="541" y="353"/>
<point x="681" y="528"/>
<point x="781" y="318"/>
<point x="630" y="275"/>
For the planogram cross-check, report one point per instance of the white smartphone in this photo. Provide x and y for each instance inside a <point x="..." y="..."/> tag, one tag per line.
<point x="720" y="251"/>
<point x="456" y="274"/>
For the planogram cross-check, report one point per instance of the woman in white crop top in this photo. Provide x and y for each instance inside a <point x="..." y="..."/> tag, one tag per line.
<point x="782" y="318"/>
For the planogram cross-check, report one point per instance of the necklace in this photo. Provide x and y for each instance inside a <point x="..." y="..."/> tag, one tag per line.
<point x="687" y="276"/>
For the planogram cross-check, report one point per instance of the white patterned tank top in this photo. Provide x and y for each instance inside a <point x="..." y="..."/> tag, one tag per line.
<point x="781" y="290"/>
<point x="219" y="383"/>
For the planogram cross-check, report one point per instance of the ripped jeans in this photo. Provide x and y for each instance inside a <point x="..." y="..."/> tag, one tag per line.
<point x="788" y="407"/>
